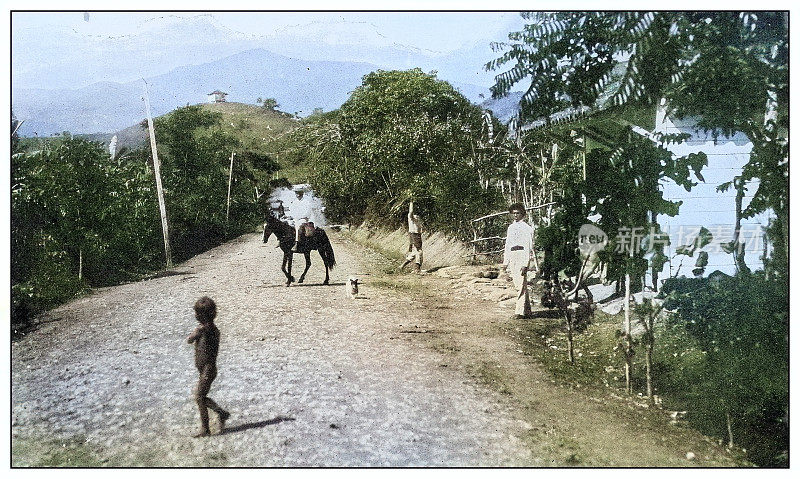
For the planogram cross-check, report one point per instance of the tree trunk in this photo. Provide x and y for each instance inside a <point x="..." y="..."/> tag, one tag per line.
<point x="653" y="272"/>
<point x="730" y="429"/>
<point x="738" y="248"/>
<point x="628" y="342"/>
<point x="648" y="360"/>
<point x="570" y="348"/>
<point x="80" y="264"/>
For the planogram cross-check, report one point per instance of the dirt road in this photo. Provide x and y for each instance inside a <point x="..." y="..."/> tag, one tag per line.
<point x="413" y="376"/>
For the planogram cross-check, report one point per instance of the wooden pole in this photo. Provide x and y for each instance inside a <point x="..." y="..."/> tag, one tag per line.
<point x="628" y="345"/>
<point x="162" y="208"/>
<point x="19" y="124"/>
<point x="230" y="180"/>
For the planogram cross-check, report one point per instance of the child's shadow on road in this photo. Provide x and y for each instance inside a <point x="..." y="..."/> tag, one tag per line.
<point x="255" y="425"/>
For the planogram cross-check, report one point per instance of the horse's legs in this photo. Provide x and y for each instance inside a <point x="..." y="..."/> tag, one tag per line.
<point x="283" y="266"/>
<point x="287" y="268"/>
<point x="307" y="254"/>
<point x="326" y="267"/>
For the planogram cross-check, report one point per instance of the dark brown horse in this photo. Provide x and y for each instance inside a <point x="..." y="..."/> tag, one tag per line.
<point x="317" y="241"/>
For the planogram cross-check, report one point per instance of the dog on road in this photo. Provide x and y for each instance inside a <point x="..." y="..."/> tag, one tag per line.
<point x="351" y="286"/>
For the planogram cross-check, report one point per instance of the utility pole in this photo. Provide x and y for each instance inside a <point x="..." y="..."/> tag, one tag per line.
<point x="157" y="170"/>
<point x="230" y="180"/>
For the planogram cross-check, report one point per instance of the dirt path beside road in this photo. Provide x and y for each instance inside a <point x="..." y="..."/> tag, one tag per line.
<point x="420" y="375"/>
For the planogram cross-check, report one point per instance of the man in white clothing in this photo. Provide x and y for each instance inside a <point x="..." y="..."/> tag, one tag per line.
<point x="517" y="256"/>
<point x="300" y="210"/>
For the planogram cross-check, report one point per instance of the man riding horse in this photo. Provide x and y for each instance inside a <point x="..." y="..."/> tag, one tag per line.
<point x="303" y="238"/>
<point x="301" y="212"/>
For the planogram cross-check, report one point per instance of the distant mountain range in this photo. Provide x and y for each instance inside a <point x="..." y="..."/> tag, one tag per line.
<point x="60" y="57"/>
<point x="51" y="93"/>
<point x="504" y="108"/>
<point x="299" y="86"/>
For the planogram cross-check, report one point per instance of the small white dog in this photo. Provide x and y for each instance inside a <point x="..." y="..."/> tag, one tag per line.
<point x="351" y="286"/>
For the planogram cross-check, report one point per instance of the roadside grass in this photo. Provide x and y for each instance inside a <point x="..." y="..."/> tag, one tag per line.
<point x="678" y="367"/>
<point x="73" y="452"/>
<point x="489" y="374"/>
<point x="599" y="360"/>
<point x="439" y="251"/>
<point x="597" y="363"/>
<point x="30" y="452"/>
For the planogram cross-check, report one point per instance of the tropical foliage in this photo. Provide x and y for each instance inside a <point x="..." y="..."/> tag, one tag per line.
<point x="730" y="71"/>
<point x="401" y="135"/>
<point x="83" y="218"/>
<point x="740" y="389"/>
<point x="728" y="68"/>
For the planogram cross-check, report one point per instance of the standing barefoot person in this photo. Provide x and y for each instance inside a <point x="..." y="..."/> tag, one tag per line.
<point x="206" y="346"/>
<point x="414" y="239"/>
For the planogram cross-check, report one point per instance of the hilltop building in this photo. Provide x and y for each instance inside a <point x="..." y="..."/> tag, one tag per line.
<point x="217" y="96"/>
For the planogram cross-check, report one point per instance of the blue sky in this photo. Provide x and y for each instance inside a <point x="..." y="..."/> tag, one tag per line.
<point x="56" y="50"/>
<point x="438" y="31"/>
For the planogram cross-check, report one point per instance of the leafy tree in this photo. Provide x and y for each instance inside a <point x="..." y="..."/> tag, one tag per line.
<point x="729" y="68"/>
<point x="78" y="218"/>
<point x="71" y="187"/>
<point x="196" y="158"/>
<point x="401" y="135"/>
<point x="269" y="103"/>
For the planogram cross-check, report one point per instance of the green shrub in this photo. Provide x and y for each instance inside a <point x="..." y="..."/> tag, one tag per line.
<point x="738" y="360"/>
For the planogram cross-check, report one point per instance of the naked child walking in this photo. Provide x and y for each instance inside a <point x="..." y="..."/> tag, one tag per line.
<point x="206" y="346"/>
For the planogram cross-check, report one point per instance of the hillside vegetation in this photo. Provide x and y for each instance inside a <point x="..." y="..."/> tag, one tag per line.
<point x="82" y="218"/>
<point x="255" y="128"/>
<point x="261" y="130"/>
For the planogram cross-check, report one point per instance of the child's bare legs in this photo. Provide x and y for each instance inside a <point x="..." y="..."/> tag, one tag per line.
<point x="204" y="403"/>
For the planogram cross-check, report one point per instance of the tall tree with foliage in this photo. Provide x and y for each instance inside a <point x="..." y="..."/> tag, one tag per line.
<point x="195" y="162"/>
<point x="729" y="68"/>
<point x="401" y="135"/>
<point x="741" y="324"/>
<point x="79" y="218"/>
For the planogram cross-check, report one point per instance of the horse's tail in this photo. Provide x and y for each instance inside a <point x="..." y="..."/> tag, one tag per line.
<point x="326" y="251"/>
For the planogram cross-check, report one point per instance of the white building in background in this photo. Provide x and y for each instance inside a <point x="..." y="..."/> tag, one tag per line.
<point x="704" y="205"/>
<point x="217" y="96"/>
